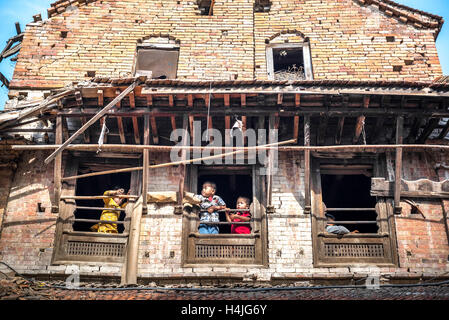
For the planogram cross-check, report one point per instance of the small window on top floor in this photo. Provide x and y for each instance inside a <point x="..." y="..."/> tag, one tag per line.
<point x="262" y="5"/>
<point x="289" y="62"/>
<point x="157" y="62"/>
<point x="206" y="7"/>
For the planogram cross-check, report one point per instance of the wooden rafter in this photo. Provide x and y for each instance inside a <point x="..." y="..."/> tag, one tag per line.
<point x="339" y="132"/>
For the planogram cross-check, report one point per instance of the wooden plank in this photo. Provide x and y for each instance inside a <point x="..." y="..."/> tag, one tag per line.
<point x="243" y="100"/>
<point x="227" y="129"/>
<point x="173" y="122"/>
<point x="244" y="130"/>
<point x="398" y="165"/>
<point x="86" y="133"/>
<point x="121" y="130"/>
<point x="280" y="98"/>
<point x="432" y="125"/>
<point x="190" y="100"/>
<point x="361" y="121"/>
<point x="324" y="119"/>
<point x="58" y="167"/>
<point x="171" y="100"/>
<point x="297" y="100"/>
<point x="192" y="128"/>
<point x="339" y="132"/>
<point x="154" y="133"/>
<point x="100" y="98"/>
<point x="130" y="276"/>
<point x="295" y="127"/>
<point x="119" y="103"/>
<point x="136" y="130"/>
<point x="132" y="100"/>
<point x="307" y="199"/>
<point x="91" y="121"/>
<point x="182" y="168"/>
<point x="149" y="100"/>
<point x="146" y="161"/>
<point x="422" y="188"/>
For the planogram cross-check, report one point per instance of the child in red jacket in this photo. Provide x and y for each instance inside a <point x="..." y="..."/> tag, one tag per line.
<point x="240" y="216"/>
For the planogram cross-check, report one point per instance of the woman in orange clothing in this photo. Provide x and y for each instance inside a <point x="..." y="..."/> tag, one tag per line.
<point x="111" y="215"/>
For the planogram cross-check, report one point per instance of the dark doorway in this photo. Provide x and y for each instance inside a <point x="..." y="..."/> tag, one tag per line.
<point x="96" y="186"/>
<point x="229" y="188"/>
<point x="350" y="191"/>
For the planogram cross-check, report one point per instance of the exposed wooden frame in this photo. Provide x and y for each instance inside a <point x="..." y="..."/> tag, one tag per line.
<point x="146" y="161"/>
<point x="91" y="121"/>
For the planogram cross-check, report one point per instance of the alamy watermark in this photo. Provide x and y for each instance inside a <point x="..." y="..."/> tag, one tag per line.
<point x="260" y="146"/>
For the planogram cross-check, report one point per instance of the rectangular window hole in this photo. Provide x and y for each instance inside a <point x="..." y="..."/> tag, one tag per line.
<point x="397" y="68"/>
<point x="391" y="38"/>
<point x="288" y="63"/>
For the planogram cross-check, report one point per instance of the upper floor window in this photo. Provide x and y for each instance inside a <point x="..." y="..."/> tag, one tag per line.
<point x="262" y="5"/>
<point x="206" y="7"/>
<point x="289" y="61"/>
<point x="157" y="61"/>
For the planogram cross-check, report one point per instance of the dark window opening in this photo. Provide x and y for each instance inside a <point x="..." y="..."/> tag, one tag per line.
<point x="96" y="186"/>
<point x="288" y="64"/>
<point x="157" y="63"/>
<point x="262" y="6"/>
<point x="229" y="188"/>
<point x="206" y="7"/>
<point x="350" y="191"/>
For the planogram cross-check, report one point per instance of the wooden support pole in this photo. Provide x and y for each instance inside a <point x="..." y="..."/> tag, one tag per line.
<point x="121" y="130"/>
<point x="136" y="130"/>
<point x="307" y="199"/>
<point x="271" y="136"/>
<point x="322" y="129"/>
<point x="146" y="161"/>
<point x="91" y="121"/>
<point x="361" y="121"/>
<point x="339" y="132"/>
<point x="154" y="130"/>
<point x="132" y="255"/>
<point x="398" y="165"/>
<point x="182" y="167"/>
<point x="58" y="167"/>
<point x="100" y="98"/>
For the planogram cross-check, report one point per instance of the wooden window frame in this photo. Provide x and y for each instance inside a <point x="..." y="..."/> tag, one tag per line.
<point x="65" y="234"/>
<point x="308" y="71"/>
<point x="322" y="240"/>
<point x="191" y="239"/>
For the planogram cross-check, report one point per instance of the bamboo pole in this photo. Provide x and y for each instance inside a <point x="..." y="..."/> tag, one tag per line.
<point x="170" y="163"/>
<point x="140" y="148"/>
<point x="97" y="197"/>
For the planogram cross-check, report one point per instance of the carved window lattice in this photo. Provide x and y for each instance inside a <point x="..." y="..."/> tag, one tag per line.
<point x="79" y="248"/>
<point x="354" y="250"/>
<point x="225" y="251"/>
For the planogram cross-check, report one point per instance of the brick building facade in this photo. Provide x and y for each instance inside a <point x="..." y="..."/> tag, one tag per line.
<point x="369" y="97"/>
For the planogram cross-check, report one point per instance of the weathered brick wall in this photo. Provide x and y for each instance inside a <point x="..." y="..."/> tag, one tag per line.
<point x="423" y="240"/>
<point x="348" y="41"/>
<point x="27" y="235"/>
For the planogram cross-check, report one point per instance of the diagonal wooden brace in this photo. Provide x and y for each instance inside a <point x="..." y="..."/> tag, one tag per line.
<point x="92" y="121"/>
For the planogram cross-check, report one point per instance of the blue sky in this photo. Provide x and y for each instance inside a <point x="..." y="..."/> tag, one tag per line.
<point x="24" y="10"/>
